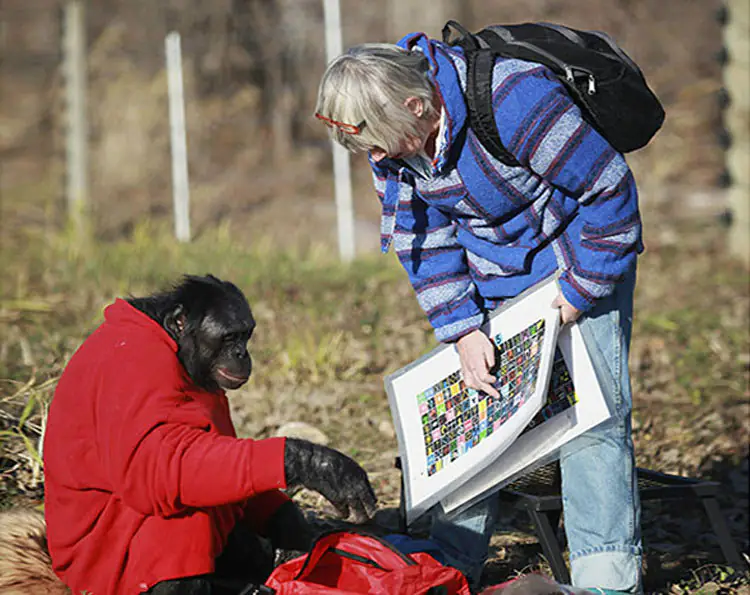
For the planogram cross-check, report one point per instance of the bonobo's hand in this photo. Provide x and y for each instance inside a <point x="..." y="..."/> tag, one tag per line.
<point x="333" y="475"/>
<point x="288" y="528"/>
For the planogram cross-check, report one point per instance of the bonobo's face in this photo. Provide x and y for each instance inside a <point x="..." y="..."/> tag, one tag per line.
<point x="212" y="339"/>
<point x="225" y="336"/>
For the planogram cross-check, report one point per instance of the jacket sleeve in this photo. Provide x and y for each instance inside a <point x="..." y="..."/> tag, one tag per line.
<point x="163" y="456"/>
<point x="542" y="126"/>
<point x="260" y="508"/>
<point x="425" y="241"/>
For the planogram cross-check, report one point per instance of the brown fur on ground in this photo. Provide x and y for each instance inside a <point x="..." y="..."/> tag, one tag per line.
<point x="25" y="564"/>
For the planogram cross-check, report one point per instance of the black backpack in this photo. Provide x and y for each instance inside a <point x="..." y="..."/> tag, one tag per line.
<point x="602" y="80"/>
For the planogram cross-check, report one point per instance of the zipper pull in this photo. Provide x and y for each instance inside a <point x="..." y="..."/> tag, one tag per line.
<point x="592" y="85"/>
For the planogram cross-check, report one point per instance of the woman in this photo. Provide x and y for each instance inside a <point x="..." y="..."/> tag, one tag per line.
<point x="472" y="232"/>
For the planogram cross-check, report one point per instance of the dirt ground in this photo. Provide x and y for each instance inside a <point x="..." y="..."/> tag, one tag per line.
<point x="690" y="360"/>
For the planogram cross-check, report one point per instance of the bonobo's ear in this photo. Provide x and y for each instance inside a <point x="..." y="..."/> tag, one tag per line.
<point x="174" y="322"/>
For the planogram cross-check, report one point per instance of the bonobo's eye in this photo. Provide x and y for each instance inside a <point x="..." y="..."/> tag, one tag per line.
<point x="239" y="337"/>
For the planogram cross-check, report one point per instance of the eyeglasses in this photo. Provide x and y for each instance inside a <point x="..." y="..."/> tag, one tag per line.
<point x="343" y="126"/>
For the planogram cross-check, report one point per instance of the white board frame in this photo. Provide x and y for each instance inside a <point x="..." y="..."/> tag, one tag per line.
<point x="542" y="444"/>
<point x="421" y="491"/>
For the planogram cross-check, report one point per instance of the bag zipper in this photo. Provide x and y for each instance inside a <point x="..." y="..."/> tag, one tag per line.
<point x="404" y="557"/>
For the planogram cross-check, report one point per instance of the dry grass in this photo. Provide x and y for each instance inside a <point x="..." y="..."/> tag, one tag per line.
<point x="328" y="333"/>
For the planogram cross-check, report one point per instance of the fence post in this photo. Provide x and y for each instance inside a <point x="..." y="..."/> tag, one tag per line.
<point x="178" y="138"/>
<point x="76" y="145"/>
<point x="341" y="167"/>
<point x="736" y="15"/>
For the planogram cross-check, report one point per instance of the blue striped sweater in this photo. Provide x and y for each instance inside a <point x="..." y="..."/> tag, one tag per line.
<point x="476" y="231"/>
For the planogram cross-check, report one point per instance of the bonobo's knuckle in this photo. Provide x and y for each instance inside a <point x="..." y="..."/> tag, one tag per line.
<point x="326" y="463"/>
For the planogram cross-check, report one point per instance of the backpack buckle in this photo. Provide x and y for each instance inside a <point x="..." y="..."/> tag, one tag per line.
<point x="570" y="77"/>
<point x="592" y="85"/>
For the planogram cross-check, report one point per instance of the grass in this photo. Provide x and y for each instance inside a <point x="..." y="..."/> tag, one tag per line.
<point x="327" y="333"/>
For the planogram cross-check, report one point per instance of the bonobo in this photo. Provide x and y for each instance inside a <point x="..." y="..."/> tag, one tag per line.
<point x="148" y="488"/>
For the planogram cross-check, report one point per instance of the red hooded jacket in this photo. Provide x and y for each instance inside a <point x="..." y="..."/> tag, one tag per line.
<point x="144" y="475"/>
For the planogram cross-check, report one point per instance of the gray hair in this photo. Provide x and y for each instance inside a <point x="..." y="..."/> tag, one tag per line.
<point x="370" y="83"/>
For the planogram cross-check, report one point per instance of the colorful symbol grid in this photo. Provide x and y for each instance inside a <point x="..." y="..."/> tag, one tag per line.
<point x="561" y="395"/>
<point x="455" y="418"/>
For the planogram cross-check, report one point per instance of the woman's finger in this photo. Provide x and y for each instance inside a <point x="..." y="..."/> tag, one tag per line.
<point x="472" y="381"/>
<point x="487" y="378"/>
<point x="489" y="354"/>
<point x="486" y="387"/>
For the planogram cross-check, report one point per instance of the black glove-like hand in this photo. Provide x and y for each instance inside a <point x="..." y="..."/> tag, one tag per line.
<point x="333" y="475"/>
<point x="288" y="528"/>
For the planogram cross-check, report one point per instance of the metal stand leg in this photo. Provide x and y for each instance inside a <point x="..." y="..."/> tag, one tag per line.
<point x="550" y="546"/>
<point x="554" y="517"/>
<point x="719" y="525"/>
<point x="402" y="527"/>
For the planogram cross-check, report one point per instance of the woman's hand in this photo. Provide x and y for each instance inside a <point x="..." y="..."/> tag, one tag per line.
<point x="568" y="313"/>
<point x="477" y="355"/>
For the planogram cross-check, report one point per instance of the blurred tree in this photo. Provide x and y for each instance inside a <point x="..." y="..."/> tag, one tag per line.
<point x="425" y="15"/>
<point x="281" y="39"/>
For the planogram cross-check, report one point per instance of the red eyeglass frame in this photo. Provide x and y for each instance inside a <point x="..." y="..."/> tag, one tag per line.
<point x="352" y="129"/>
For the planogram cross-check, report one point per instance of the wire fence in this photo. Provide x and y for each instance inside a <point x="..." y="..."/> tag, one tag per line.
<point x="251" y="69"/>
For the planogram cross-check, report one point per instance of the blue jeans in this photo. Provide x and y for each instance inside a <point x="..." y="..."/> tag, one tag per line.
<point x="600" y="497"/>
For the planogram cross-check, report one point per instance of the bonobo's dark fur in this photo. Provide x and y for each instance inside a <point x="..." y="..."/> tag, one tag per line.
<point x="211" y="322"/>
<point x="341" y="480"/>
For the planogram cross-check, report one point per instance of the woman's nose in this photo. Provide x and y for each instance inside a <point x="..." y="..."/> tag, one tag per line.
<point x="377" y="154"/>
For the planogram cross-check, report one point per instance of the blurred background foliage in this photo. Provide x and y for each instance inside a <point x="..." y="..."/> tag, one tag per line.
<point x="251" y="74"/>
<point x="263" y="216"/>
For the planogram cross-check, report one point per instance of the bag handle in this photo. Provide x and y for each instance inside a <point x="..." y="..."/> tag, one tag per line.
<point x="617" y="50"/>
<point x="361" y="552"/>
<point x="465" y="39"/>
<point x="565" y="32"/>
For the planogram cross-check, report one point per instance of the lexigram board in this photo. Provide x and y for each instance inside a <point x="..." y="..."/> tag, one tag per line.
<point x="574" y="403"/>
<point x="456" y="418"/>
<point x="448" y="433"/>
<point x="561" y="395"/>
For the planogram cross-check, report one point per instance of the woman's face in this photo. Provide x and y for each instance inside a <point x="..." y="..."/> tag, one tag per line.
<point x="410" y="145"/>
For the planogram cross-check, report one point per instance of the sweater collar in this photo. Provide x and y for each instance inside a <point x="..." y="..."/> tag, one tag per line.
<point x="121" y="312"/>
<point x="448" y="75"/>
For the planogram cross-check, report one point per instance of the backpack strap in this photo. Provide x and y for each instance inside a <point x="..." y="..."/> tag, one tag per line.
<point x="480" y="63"/>
<point x="479" y="67"/>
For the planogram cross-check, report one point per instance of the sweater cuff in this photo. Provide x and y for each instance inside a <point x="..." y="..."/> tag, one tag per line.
<point x="450" y="333"/>
<point x="574" y="293"/>
<point x="268" y="464"/>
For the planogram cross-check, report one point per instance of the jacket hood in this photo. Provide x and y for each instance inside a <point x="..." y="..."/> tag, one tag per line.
<point x="121" y="313"/>
<point x="448" y="75"/>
